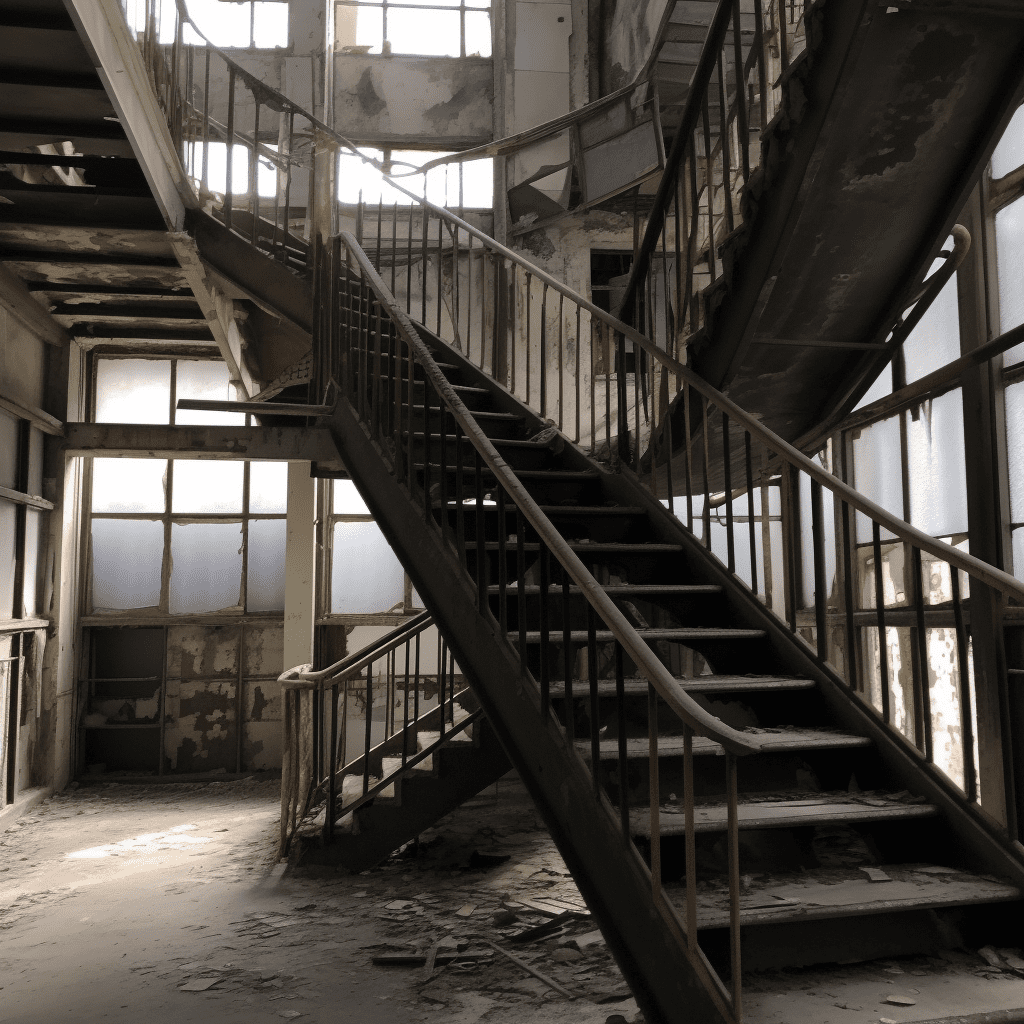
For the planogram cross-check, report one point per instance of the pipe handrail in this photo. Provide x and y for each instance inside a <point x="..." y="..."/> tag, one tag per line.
<point x="657" y="674"/>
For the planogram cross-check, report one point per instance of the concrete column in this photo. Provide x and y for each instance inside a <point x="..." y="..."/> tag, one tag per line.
<point x="300" y="566"/>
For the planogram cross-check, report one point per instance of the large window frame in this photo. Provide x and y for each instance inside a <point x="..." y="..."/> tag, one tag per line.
<point x="169" y="519"/>
<point x="394" y="9"/>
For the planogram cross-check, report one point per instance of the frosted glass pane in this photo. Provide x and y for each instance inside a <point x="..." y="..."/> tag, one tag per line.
<point x="268" y="487"/>
<point x="1009" y="154"/>
<point x="1018" y="554"/>
<point x="8" y="533"/>
<point x="133" y="391"/>
<point x="938" y="472"/>
<point x="265" y="577"/>
<point x="430" y="33"/>
<point x="271" y="25"/>
<point x="1015" y="448"/>
<point x="828" y="532"/>
<point x="935" y="341"/>
<point x="126" y="559"/>
<point x="8" y="451"/>
<point x="217" y="166"/>
<point x="365" y="575"/>
<point x="1010" y="263"/>
<point x="877" y="472"/>
<point x="207" y="486"/>
<point x="478" y="35"/>
<point x="347" y="501"/>
<point x="30" y="588"/>
<point x="128" y="485"/>
<point x="206" y="567"/>
<point x="206" y="380"/>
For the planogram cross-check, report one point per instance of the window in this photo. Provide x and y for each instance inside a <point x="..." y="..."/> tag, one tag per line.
<point x="181" y="536"/>
<point x="364" y="576"/>
<point x="468" y="185"/>
<point x="435" y="29"/>
<point x="248" y="24"/>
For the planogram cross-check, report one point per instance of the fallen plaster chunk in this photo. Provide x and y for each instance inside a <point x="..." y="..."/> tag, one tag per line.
<point x="991" y="957"/>
<point x="199" y="985"/>
<point x="876" y="875"/>
<point x="900" y="1001"/>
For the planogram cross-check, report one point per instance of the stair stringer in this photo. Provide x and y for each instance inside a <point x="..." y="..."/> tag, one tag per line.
<point x="645" y="937"/>
<point x="423" y="799"/>
<point x="978" y="832"/>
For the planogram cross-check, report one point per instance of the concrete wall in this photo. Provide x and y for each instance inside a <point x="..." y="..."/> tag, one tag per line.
<point x="630" y="40"/>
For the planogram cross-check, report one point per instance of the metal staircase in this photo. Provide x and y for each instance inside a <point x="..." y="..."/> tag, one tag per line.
<point x="677" y="626"/>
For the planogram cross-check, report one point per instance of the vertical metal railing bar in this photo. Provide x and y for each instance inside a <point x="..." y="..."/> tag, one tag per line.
<point x="730" y="541"/>
<point x="561" y="361"/>
<point x="688" y="462"/>
<point x="394" y="246"/>
<point x="623" y="751"/>
<point x="735" y="936"/>
<point x="380" y="224"/>
<point x="529" y="324"/>
<point x="966" y="701"/>
<point x="440" y="275"/>
<point x="567" y="662"/>
<point x="595" y="699"/>
<point x="408" y="264"/>
<point x="460" y="509"/>
<point x="576" y="354"/>
<point x="445" y="518"/>
<point x="521" y="583"/>
<point x="742" y="114"/>
<point x="726" y="148"/>
<point x="230" y="151"/>
<point x="883" y="646"/>
<point x="690" y="839"/>
<point x="545" y="633"/>
<point x="481" y="535"/>
<point x="405" y="708"/>
<point x="818" y="553"/>
<point x="423" y="257"/>
<point x="751" y="516"/>
<point x="706" y="514"/>
<point x="654" y="789"/>
<point x="709" y="188"/>
<point x="502" y="561"/>
<point x="369" y="725"/>
<point x="923" y="702"/>
<point x="254" y="167"/>
<point x="426" y="447"/>
<point x="543" y="360"/>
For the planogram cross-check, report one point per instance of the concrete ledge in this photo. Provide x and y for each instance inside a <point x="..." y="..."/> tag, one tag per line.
<point x="989" y="1017"/>
<point x="23" y="803"/>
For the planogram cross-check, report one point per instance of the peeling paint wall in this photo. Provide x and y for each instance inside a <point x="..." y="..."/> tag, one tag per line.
<point x="442" y="101"/>
<point x="630" y="41"/>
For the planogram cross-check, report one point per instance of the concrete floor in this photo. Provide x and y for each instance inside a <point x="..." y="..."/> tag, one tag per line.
<point x="116" y="899"/>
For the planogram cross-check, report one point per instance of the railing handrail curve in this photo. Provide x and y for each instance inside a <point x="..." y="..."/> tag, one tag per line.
<point x="657" y="674"/>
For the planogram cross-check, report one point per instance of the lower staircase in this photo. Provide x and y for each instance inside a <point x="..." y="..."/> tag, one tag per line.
<point x="714" y="786"/>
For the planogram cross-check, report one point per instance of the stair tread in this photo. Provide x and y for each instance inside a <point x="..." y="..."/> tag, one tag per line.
<point x="682" y="633"/>
<point x="774" y="742"/>
<point x="782" y="813"/>
<point x="483" y="414"/>
<point x="846" y="892"/>
<point x="525" y="474"/>
<point x="626" y="589"/>
<point x="598" y="546"/>
<point x="701" y="684"/>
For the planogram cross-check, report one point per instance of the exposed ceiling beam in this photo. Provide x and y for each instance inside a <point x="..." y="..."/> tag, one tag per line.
<point x="18" y="301"/>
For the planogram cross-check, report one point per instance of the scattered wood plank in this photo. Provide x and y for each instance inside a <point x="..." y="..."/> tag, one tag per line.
<point x="550" y="982"/>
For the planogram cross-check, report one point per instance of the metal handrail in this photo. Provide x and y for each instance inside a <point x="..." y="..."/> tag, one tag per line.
<point x="656" y="673"/>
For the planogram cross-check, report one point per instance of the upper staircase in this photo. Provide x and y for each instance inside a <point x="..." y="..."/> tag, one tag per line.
<point x="718" y="745"/>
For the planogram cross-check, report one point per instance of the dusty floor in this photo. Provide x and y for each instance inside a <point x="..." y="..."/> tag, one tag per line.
<point x="163" y="903"/>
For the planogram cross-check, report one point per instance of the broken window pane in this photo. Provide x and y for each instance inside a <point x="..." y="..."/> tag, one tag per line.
<point x="478" y="33"/>
<point x="347" y="501"/>
<point x="133" y="390"/>
<point x="129" y="485"/>
<point x="365" y="575"/>
<point x="265" y="575"/>
<point x="205" y="487"/>
<point x="268" y="487"/>
<point x="206" y="567"/>
<point x="1009" y="154"/>
<point x="263" y="25"/>
<point x="207" y="380"/>
<point x="938" y="473"/>
<point x="126" y="559"/>
<point x="8" y="533"/>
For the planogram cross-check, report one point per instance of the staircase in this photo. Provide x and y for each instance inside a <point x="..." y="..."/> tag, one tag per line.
<point x="718" y="745"/>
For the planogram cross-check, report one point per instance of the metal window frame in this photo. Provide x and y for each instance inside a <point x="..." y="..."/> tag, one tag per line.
<point x="462" y="8"/>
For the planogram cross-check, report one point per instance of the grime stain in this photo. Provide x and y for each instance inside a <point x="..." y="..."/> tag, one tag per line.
<point x="370" y="101"/>
<point x="441" y="115"/>
<point x="259" y="703"/>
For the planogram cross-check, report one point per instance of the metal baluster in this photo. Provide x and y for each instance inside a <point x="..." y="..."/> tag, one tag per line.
<point x="481" y="536"/>
<point x="623" y="766"/>
<point x="742" y="121"/>
<point x="545" y="638"/>
<point x="761" y="45"/>
<point x="820" y="593"/>
<point x="923" y="701"/>
<point x="469" y="297"/>
<point x="460" y="491"/>
<point x="883" y="647"/>
<point x="427" y="444"/>
<point x="446" y="523"/>
<point x="852" y="634"/>
<point x="964" y="672"/>
<point x="724" y="137"/>
<point x="369" y="724"/>
<point x="595" y="710"/>
<point x="254" y="185"/>
<point x="440" y="277"/>
<point x="544" y="350"/>
<point x="408" y="263"/>
<point x="567" y="660"/>
<point x="734" y="885"/>
<point x="727" y="469"/>
<point x="521" y="584"/>
<point x="329" y="817"/>
<point x="710" y="187"/>
<point x="206" y="123"/>
<point x="707" y="476"/>
<point x="688" y="442"/>
<point x="416" y="684"/>
<point x="529" y="293"/>
<point x="380" y="214"/>
<point x="576" y="371"/>
<point x="394" y="245"/>
<point x="442" y="676"/>
<point x="423" y="285"/>
<point x="654" y="788"/>
<point x="690" y="839"/>
<point x="229" y="150"/>
<point x="751" y="531"/>
<point x="405" y="708"/>
<point x="561" y="361"/>
<point x="502" y="562"/>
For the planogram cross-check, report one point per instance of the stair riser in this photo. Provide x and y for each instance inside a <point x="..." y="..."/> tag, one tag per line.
<point x="543" y="490"/>
<point x="517" y="457"/>
<point x="692" y="610"/>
